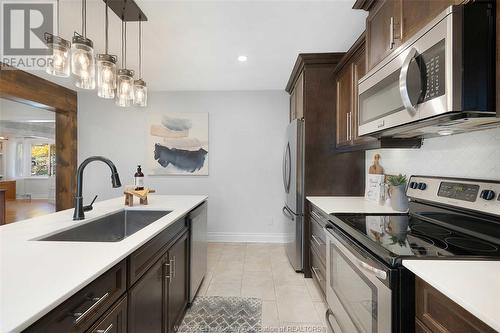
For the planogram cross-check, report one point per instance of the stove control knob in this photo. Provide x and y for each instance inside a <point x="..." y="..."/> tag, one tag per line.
<point x="422" y="186"/>
<point x="487" y="195"/>
<point x="414" y="185"/>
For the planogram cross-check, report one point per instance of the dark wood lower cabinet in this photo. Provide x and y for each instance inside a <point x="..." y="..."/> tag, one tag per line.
<point x="151" y="298"/>
<point x="146" y="301"/>
<point x="113" y="321"/>
<point x="157" y="302"/>
<point x="177" y="289"/>
<point x="436" y="313"/>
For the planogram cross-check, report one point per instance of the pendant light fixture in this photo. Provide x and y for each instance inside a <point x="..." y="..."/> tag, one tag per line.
<point x="140" y="88"/>
<point x="82" y="56"/>
<point x="106" y="67"/>
<point x="125" y="78"/>
<point x="59" y="50"/>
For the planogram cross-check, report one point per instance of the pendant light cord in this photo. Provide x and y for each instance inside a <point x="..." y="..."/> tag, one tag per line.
<point x="140" y="48"/>
<point x="58" y="15"/>
<point x="124" y="44"/>
<point x="84" y="18"/>
<point x="107" y="28"/>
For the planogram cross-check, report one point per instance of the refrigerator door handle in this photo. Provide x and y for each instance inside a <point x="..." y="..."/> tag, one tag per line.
<point x="287" y="213"/>
<point x="287" y="168"/>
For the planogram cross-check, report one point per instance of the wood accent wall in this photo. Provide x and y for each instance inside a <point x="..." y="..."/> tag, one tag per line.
<point x="2" y="207"/>
<point x="30" y="89"/>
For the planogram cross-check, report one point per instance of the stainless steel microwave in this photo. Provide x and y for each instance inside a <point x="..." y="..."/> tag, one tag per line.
<point x="439" y="82"/>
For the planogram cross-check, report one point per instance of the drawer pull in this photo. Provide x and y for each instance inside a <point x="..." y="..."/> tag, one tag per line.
<point x="79" y="316"/>
<point x="320" y="244"/>
<point x="106" y="330"/>
<point x="316" y="216"/>
<point x="314" y="269"/>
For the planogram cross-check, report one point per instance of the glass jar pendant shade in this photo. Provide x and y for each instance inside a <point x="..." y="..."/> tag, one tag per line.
<point x="140" y="93"/>
<point x="106" y="66"/>
<point x="82" y="56"/>
<point x="58" y="62"/>
<point x="106" y="76"/>
<point x="125" y="88"/>
<point x="83" y="62"/>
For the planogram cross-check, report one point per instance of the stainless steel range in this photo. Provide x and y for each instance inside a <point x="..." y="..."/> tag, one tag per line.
<point x="368" y="289"/>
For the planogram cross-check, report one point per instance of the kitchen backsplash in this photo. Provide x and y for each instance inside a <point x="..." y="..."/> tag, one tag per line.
<point x="470" y="155"/>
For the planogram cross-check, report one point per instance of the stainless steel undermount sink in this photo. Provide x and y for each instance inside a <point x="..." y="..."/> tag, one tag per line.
<point x="110" y="228"/>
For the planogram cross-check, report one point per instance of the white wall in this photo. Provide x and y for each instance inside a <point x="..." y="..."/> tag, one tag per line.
<point x="246" y="137"/>
<point x="469" y="155"/>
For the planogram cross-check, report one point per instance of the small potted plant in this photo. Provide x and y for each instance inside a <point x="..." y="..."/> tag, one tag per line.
<point x="397" y="192"/>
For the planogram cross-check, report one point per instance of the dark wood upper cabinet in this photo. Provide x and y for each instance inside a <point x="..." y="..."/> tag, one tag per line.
<point x="417" y="13"/>
<point x="297" y="99"/>
<point x="344" y="87"/>
<point x="383" y="30"/>
<point x="178" y="282"/>
<point x="392" y="22"/>
<point x="436" y="313"/>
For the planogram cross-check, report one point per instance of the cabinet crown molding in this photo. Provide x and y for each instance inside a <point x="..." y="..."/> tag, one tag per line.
<point x="304" y="59"/>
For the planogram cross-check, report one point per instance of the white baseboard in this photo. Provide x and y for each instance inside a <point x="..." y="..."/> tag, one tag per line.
<point x="246" y="237"/>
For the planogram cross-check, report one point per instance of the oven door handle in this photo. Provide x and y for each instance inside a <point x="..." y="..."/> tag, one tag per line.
<point x="403" y="83"/>
<point x="327" y="319"/>
<point x="369" y="268"/>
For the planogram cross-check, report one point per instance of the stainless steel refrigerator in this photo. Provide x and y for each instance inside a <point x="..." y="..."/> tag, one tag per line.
<point x="293" y="183"/>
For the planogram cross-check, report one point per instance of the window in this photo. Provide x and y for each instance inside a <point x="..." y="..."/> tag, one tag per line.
<point x="43" y="159"/>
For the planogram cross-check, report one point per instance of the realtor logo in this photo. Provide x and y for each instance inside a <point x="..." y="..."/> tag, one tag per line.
<point x="24" y="24"/>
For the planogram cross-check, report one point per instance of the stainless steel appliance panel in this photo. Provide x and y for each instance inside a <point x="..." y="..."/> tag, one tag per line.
<point x="293" y="159"/>
<point x="382" y="101"/>
<point x="358" y="295"/>
<point x="199" y="248"/>
<point x="293" y="184"/>
<point x="436" y="83"/>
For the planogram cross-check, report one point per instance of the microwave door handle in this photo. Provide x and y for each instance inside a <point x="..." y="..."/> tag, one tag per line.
<point x="403" y="83"/>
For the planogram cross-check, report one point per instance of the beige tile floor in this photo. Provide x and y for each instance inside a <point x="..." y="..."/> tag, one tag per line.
<point x="263" y="271"/>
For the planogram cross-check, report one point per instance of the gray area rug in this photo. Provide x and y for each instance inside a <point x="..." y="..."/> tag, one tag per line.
<point x="223" y="314"/>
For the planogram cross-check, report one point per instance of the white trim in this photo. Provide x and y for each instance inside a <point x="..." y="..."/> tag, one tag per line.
<point x="246" y="237"/>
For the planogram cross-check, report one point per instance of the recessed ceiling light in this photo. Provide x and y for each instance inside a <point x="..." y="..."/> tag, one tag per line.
<point x="242" y="58"/>
<point x="446" y="132"/>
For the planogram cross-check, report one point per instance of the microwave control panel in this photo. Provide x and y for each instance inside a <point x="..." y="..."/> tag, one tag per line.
<point x="432" y="66"/>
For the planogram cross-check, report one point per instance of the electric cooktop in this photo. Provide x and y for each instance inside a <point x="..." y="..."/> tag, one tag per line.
<point x="435" y="227"/>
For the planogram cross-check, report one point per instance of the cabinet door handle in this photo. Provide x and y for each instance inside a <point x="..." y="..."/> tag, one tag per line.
<point x="173" y="268"/>
<point x="391" y="33"/>
<point x="347" y="127"/>
<point x="350" y="125"/>
<point x="315" y="269"/>
<point x="106" y="330"/>
<point x="167" y="266"/>
<point x="79" y="316"/>
<point x="317" y="241"/>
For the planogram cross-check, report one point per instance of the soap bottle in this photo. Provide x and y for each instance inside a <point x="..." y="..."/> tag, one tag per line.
<point x="139" y="179"/>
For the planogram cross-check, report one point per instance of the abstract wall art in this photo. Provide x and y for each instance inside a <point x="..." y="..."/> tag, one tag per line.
<point x="179" y="144"/>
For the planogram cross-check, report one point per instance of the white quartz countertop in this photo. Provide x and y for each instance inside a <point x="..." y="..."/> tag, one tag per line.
<point x="37" y="276"/>
<point x="346" y="205"/>
<point x="474" y="285"/>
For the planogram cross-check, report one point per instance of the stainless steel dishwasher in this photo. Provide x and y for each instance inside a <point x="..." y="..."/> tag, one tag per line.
<point x="198" y="248"/>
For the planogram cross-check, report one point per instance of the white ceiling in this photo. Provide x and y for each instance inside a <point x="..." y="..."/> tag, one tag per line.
<point x="194" y="45"/>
